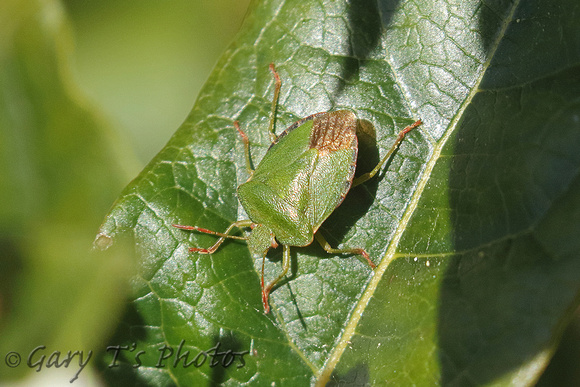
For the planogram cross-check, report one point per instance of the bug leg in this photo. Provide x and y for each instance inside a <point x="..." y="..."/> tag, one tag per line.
<point x="277" y="86"/>
<point x="223" y="236"/>
<point x="326" y="246"/>
<point x="369" y="175"/>
<point x="285" y="267"/>
<point x="246" y="142"/>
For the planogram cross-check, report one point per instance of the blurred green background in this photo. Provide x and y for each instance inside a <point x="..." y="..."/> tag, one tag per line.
<point x="144" y="62"/>
<point x="89" y="92"/>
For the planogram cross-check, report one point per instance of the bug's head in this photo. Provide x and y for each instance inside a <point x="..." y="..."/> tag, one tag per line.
<point x="260" y="240"/>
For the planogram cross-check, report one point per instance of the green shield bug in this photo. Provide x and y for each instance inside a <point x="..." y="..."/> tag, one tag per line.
<point x="305" y="174"/>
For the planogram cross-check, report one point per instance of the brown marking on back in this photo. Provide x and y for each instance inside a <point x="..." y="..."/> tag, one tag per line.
<point x="333" y="131"/>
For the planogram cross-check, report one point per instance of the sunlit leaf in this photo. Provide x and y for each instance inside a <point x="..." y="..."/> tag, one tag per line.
<point x="472" y="223"/>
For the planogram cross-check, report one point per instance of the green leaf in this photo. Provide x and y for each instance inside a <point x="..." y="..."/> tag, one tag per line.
<point x="472" y="222"/>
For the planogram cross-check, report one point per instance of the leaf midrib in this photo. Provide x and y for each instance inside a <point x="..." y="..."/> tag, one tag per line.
<point x="350" y="328"/>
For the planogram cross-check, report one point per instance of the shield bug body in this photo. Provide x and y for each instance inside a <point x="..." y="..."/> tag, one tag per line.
<point x="305" y="174"/>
